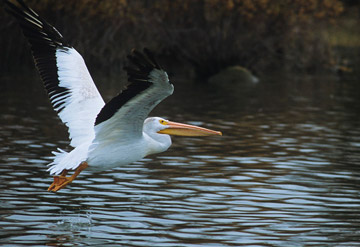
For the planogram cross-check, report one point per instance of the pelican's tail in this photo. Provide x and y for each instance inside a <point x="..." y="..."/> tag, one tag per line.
<point x="55" y="167"/>
<point x="68" y="160"/>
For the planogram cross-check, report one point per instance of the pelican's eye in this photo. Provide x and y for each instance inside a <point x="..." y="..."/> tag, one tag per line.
<point x="163" y="122"/>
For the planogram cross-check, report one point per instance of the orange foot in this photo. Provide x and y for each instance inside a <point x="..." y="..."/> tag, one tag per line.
<point x="61" y="181"/>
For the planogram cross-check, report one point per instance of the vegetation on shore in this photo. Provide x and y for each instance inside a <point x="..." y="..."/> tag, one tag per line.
<point x="208" y="35"/>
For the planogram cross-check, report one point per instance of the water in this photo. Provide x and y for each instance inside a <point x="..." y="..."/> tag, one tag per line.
<point x="286" y="172"/>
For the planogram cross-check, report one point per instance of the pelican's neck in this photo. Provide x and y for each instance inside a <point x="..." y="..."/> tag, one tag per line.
<point x="157" y="143"/>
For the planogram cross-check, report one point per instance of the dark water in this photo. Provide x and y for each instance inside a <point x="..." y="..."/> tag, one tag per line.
<point x="285" y="173"/>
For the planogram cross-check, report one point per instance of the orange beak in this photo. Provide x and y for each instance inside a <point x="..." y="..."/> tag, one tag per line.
<point x="180" y="129"/>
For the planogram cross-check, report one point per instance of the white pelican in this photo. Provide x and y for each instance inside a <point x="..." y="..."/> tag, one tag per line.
<point x="102" y="135"/>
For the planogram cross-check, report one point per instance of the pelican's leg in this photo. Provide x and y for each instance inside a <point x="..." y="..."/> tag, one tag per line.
<point x="61" y="181"/>
<point x="58" y="180"/>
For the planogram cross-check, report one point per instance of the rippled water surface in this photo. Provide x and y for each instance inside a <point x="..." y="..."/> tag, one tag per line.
<point x="286" y="171"/>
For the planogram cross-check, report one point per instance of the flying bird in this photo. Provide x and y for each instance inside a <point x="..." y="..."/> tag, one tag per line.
<point x="102" y="135"/>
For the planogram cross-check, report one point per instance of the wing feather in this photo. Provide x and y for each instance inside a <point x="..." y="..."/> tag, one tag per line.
<point x="62" y="69"/>
<point x="125" y="114"/>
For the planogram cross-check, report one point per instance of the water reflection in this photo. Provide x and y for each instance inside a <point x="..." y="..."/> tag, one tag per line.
<point x="285" y="173"/>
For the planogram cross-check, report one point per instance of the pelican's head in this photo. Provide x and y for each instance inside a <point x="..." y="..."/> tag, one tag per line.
<point x="159" y="130"/>
<point x="163" y="126"/>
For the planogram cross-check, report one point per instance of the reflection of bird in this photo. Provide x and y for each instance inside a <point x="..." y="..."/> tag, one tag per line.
<point x="103" y="135"/>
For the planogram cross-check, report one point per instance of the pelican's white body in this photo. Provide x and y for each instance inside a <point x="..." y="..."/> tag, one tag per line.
<point x="114" y="152"/>
<point x="117" y="152"/>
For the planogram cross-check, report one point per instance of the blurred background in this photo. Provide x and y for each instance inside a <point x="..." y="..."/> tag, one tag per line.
<point x="279" y="78"/>
<point x="202" y="37"/>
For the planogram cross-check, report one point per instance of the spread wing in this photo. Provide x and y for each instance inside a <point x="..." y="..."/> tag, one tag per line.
<point x="124" y="115"/>
<point x="67" y="81"/>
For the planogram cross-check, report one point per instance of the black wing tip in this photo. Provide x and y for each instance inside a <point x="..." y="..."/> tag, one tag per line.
<point x="19" y="2"/>
<point x="140" y="65"/>
<point x="26" y="17"/>
<point x="151" y="56"/>
<point x="44" y="40"/>
<point x="143" y="61"/>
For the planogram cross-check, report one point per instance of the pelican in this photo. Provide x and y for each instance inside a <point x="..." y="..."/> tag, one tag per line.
<point x="103" y="136"/>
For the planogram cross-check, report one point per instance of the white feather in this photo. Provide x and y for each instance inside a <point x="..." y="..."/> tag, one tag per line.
<point x="85" y="101"/>
<point x="81" y="108"/>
